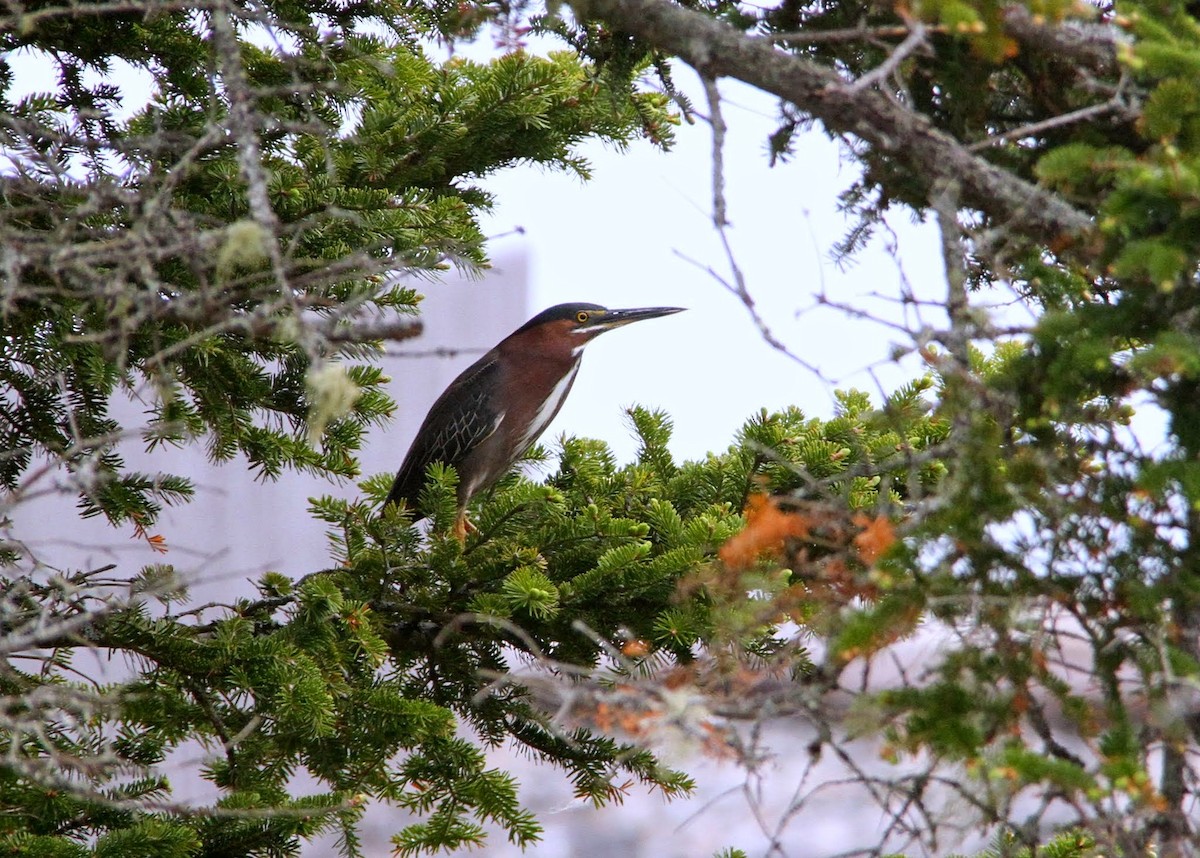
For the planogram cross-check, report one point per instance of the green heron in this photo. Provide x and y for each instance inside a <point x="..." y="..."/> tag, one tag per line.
<point x="496" y="409"/>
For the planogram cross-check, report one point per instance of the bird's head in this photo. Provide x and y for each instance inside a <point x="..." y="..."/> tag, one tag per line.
<point x="577" y="324"/>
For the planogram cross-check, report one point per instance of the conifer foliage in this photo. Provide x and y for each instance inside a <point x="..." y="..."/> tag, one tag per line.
<point x="1054" y="145"/>
<point x="218" y="253"/>
<point x="222" y="251"/>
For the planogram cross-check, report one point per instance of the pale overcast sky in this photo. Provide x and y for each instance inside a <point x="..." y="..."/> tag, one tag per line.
<point x="620" y="240"/>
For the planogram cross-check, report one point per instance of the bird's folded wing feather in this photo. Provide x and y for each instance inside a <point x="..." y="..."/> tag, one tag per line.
<point x="459" y="421"/>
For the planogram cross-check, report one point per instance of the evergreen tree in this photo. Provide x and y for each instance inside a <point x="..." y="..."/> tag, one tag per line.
<point x="1055" y="147"/>
<point x="225" y="251"/>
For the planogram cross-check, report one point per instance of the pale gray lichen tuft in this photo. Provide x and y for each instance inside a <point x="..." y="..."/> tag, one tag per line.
<point x="331" y="395"/>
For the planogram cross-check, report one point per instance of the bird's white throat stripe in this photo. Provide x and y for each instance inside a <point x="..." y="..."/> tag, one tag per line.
<point x="550" y="407"/>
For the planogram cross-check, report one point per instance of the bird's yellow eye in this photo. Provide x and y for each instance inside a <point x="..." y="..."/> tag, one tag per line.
<point x="581" y="316"/>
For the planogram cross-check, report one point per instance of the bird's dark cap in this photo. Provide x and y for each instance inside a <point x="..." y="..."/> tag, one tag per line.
<point x="595" y="317"/>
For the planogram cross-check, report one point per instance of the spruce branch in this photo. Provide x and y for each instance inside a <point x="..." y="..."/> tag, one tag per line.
<point x="716" y="49"/>
<point x="244" y="121"/>
<point x="1093" y="45"/>
<point x="1118" y="104"/>
<point x="849" y="34"/>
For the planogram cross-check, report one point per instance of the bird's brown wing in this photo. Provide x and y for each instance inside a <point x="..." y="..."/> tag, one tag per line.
<point x="460" y="420"/>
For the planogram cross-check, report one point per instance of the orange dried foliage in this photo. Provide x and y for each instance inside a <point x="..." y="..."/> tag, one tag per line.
<point x="636" y="724"/>
<point x="1021" y="701"/>
<point x="635" y="648"/>
<point x="157" y="543"/>
<point x="603" y="718"/>
<point x="1154" y="799"/>
<point x="679" y="676"/>
<point x="718" y="743"/>
<point x="877" y="536"/>
<point x="767" y="527"/>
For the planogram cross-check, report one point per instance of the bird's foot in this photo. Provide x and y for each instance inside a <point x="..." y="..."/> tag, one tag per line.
<point x="463" y="526"/>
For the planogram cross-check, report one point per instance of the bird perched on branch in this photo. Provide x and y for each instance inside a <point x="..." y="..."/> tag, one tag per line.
<point x="496" y="409"/>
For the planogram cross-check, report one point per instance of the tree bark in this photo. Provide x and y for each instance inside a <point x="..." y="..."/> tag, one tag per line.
<point x="717" y="50"/>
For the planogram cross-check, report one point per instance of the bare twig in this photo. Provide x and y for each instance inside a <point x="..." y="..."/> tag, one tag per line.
<point x="717" y="49"/>
<point x="736" y="286"/>
<point x="849" y="34"/>
<point x="1116" y="104"/>
<point x="716" y="120"/>
<point x="913" y="42"/>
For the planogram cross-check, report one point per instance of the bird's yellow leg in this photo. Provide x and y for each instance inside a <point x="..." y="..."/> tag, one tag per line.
<point x="463" y="526"/>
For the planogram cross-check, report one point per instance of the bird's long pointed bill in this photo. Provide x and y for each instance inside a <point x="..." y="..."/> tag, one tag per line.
<point x="617" y="318"/>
